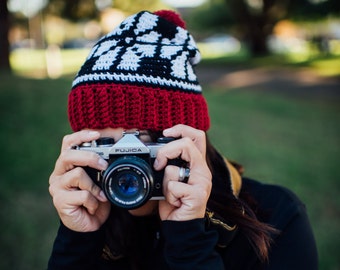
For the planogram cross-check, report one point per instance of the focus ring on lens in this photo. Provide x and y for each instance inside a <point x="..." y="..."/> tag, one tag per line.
<point x="128" y="182"/>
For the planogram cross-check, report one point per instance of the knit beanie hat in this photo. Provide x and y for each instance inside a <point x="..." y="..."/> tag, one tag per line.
<point x="140" y="75"/>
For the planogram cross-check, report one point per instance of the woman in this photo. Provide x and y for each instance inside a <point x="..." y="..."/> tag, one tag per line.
<point x="139" y="79"/>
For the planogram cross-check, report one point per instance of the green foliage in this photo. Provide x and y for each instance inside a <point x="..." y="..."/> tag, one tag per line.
<point x="134" y="6"/>
<point x="253" y="21"/>
<point x="213" y="16"/>
<point x="74" y="10"/>
<point x="307" y="10"/>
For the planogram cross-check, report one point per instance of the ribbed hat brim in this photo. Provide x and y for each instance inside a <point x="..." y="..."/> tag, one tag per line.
<point x="98" y="106"/>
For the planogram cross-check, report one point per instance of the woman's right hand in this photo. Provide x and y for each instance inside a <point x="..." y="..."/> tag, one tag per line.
<point x="80" y="203"/>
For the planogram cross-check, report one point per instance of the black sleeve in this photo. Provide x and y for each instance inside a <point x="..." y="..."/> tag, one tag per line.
<point x="76" y="250"/>
<point x="189" y="246"/>
<point x="295" y="248"/>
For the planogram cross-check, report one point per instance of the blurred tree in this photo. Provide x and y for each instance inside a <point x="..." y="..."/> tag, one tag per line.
<point x="254" y="20"/>
<point x="76" y="10"/>
<point x="133" y="6"/>
<point x="4" y="43"/>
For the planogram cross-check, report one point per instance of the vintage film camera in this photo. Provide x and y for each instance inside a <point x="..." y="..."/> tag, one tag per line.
<point x="130" y="180"/>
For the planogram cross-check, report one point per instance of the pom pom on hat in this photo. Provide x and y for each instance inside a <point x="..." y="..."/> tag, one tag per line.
<point x="171" y="16"/>
<point x="140" y="75"/>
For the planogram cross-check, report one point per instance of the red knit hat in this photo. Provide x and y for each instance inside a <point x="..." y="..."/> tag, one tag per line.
<point x="140" y="76"/>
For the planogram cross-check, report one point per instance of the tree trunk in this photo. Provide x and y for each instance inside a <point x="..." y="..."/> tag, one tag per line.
<point x="256" y="35"/>
<point x="255" y="26"/>
<point x="4" y="43"/>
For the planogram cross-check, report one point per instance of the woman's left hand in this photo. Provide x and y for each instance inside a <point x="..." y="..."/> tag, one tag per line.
<point x="184" y="201"/>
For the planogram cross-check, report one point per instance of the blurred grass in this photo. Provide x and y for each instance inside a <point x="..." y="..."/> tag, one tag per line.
<point x="290" y="142"/>
<point x="278" y="139"/>
<point x="33" y="121"/>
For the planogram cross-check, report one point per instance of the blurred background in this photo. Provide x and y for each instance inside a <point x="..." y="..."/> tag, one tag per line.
<point x="270" y="71"/>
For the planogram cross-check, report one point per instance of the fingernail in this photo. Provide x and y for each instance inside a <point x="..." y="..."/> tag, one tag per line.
<point x="102" y="164"/>
<point x="156" y="164"/>
<point x="102" y="195"/>
<point x="166" y="131"/>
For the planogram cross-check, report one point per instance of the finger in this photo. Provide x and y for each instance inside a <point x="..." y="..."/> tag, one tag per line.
<point x="173" y="192"/>
<point x="196" y="135"/>
<point x="79" y="179"/>
<point x="200" y="178"/>
<point x="74" y="180"/>
<point x="183" y="148"/>
<point x="78" y="138"/>
<point x="171" y="175"/>
<point x="68" y="202"/>
<point x="69" y="159"/>
<point x="182" y="195"/>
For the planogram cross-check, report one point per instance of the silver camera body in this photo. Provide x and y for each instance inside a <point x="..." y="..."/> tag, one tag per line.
<point x="130" y="180"/>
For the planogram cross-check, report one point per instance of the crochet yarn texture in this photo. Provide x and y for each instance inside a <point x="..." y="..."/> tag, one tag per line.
<point x="141" y="76"/>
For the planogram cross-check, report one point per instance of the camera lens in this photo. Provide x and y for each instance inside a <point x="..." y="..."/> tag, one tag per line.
<point x="128" y="182"/>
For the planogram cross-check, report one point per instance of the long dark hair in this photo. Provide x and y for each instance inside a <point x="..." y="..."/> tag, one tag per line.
<point x="241" y="211"/>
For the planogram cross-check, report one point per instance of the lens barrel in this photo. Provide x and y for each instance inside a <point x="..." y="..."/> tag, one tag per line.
<point x="128" y="182"/>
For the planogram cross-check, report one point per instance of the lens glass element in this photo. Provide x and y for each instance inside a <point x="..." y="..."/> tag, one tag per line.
<point x="128" y="184"/>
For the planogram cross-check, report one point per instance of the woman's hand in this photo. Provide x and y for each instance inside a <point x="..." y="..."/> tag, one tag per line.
<point x="80" y="203"/>
<point x="184" y="201"/>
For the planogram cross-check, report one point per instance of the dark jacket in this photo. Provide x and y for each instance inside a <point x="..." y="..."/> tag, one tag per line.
<point x="190" y="245"/>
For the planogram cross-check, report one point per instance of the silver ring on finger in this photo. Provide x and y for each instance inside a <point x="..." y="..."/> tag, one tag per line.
<point x="184" y="174"/>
